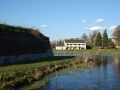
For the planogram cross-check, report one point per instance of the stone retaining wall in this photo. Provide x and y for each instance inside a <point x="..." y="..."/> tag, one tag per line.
<point x="13" y="59"/>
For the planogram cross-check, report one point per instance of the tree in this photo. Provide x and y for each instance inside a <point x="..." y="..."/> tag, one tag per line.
<point x="98" y="41"/>
<point x="116" y="36"/>
<point x="60" y="41"/>
<point x="92" y="38"/>
<point x="77" y="38"/>
<point x="53" y="44"/>
<point x="85" y="37"/>
<point x="71" y="39"/>
<point x="105" y="38"/>
<point x="110" y="43"/>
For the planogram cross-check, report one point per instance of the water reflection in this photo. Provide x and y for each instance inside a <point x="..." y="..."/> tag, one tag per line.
<point x="105" y="75"/>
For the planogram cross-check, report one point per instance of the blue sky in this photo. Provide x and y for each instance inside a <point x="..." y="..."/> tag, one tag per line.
<point x="62" y="19"/>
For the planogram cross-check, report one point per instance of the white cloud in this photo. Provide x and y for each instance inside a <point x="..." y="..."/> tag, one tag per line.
<point x="84" y="21"/>
<point x="97" y="28"/>
<point x="112" y="27"/>
<point x="99" y="20"/>
<point x="44" y="26"/>
<point x="86" y="28"/>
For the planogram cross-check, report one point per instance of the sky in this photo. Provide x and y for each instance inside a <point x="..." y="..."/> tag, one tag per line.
<point x="62" y="19"/>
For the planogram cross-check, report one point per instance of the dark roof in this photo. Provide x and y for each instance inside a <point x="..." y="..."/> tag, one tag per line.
<point x="75" y="41"/>
<point x="60" y="44"/>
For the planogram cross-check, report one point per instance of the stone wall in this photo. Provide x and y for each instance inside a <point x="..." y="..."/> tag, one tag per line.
<point x="13" y="59"/>
<point x="19" y="47"/>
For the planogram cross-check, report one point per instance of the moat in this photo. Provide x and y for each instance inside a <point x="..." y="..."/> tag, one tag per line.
<point x="105" y="75"/>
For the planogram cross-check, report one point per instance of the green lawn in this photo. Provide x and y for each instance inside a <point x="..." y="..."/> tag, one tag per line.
<point x="87" y="51"/>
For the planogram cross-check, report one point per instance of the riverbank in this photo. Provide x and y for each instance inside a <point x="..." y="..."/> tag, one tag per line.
<point x="26" y="73"/>
<point x="88" y="51"/>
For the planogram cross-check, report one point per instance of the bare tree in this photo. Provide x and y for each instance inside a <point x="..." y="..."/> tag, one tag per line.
<point x="53" y="44"/>
<point x="116" y="36"/>
<point x="110" y="43"/>
<point x="92" y="37"/>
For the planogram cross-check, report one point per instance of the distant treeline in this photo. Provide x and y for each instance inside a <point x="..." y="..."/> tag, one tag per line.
<point x="19" y="29"/>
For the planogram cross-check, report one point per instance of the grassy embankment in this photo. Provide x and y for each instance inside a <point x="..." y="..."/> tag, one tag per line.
<point x="26" y="73"/>
<point x="88" y="51"/>
<point x="21" y="30"/>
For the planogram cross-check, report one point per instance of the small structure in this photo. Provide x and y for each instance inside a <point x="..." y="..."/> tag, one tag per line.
<point x="60" y="46"/>
<point x="71" y="44"/>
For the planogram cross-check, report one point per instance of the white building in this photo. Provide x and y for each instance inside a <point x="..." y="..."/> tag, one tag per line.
<point x="71" y="44"/>
<point x="60" y="46"/>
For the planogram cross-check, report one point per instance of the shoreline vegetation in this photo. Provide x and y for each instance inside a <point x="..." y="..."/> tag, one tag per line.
<point x="24" y="74"/>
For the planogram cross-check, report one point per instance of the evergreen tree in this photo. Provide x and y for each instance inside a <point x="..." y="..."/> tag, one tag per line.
<point x="85" y="37"/>
<point x="60" y="41"/>
<point x="105" y="38"/>
<point x="98" y="41"/>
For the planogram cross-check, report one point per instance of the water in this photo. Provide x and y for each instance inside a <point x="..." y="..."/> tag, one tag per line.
<point x="105" y="75"/>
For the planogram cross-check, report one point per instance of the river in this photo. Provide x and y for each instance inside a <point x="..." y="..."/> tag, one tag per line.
<point x="105" y="75"/>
